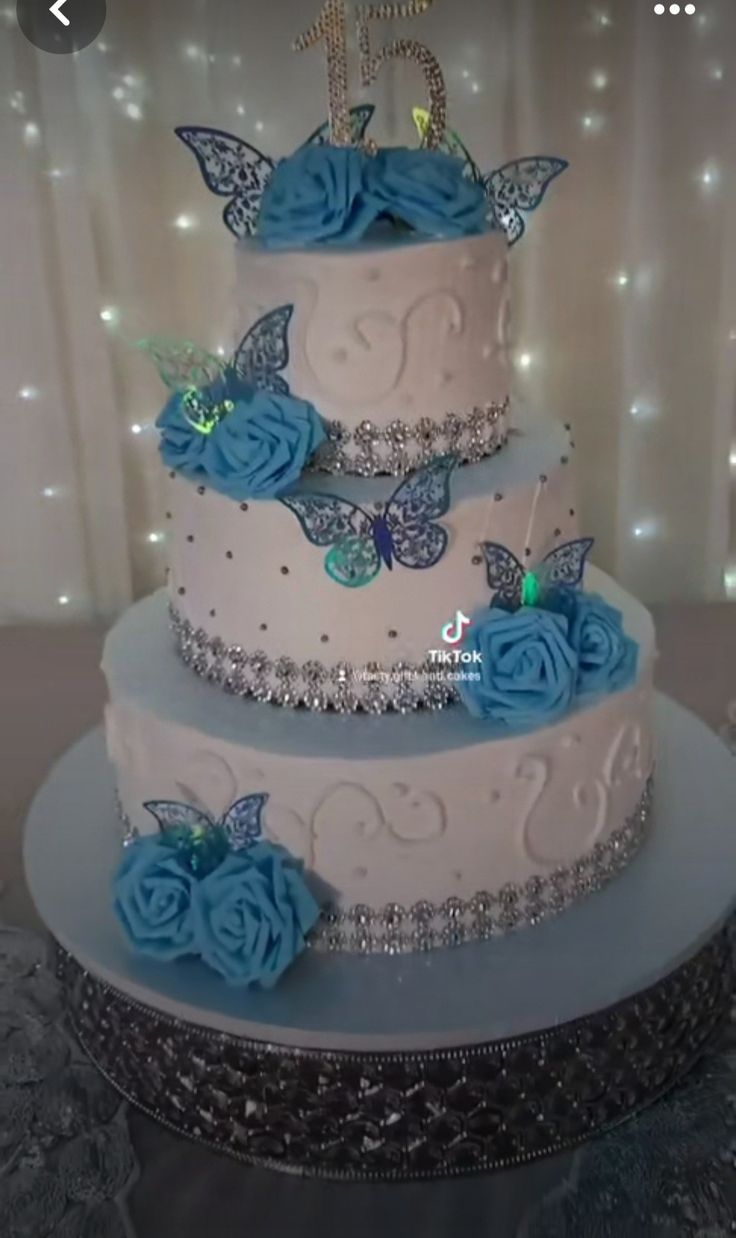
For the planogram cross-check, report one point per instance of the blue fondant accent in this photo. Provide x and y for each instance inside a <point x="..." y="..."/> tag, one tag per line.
<point x="318" y="195"/>
<point x="256" y="451"/>
<point x="245" y="913"/>
<point x="527" y="671"/>
<point x="252" y="914"/>
<point x="153" y="891"/>
<point x="404" y="531"/>
<point x="607" y="657"/>
<point x="428" y="191"/>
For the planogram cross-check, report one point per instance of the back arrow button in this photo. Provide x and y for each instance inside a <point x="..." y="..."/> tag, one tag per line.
<point x="56" y="11"/>
<point x="61" y="27"/>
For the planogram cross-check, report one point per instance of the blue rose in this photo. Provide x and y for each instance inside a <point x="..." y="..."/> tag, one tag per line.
<point x="317" y="195"/>
<point x="527" y="667"/>
<point x="252" y="915"/>
<point x="153" y="891"/>
<point x="607" y="657"/>
<point x="261" y="448"/>
<point x="181" y="446"/>
<point x="428" y="191"/>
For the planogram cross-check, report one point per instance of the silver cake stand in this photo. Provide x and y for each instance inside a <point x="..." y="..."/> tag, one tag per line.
<point x="424" y="1065"/>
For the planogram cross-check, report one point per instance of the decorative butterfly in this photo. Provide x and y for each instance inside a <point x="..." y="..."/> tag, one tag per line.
<point x="360" y="118"/>
<point x="203" y="378"/>
<point x="519" y="187"/>
<point x="514" y="585"/>
<point x="452" y="144"/>
<point x="403" y="530"/>
<point x="241" y="824"/>
<point x="234" y="169"/>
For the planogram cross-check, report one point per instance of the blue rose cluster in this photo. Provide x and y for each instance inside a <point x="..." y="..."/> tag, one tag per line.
<point x="334" y="194"/>
<point x="247" y="918"/>
<point x="255" y="451"/>
<point x="536" y="663"/>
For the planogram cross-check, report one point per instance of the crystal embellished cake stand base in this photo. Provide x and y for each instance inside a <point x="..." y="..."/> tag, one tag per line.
<point x="423" y="1065"/>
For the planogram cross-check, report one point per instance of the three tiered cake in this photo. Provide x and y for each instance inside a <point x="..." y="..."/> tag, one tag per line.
<point x="423" y="718"/>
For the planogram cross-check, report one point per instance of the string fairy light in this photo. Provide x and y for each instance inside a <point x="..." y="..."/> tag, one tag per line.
<point x="49" y="492"/>
<point x="31" y="133"/>
<point x="644" y="529"/>
<point x="155" y="537"/>
<point x="110" y="314"/>
<point x="63" y="599"/>
<point x="622" y="279"/>
<point x="525" y="361"/>
<point x="592" y="122"/>
<point x="641" y="408"/>
<point x="709" y="176"/>
<point x="28" y="393"/>
<point x="599" y="79"/>
<point x="185" y="223"/>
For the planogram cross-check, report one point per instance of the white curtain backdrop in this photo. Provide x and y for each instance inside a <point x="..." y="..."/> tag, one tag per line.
<point x="624" y="287"/>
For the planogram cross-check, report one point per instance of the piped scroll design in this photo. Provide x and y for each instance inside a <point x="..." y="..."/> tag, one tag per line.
<point x="388" y="363"/>
<point x="409" y="816"/>
<point x="624" y="762"/>
<point x="535" y="770"/>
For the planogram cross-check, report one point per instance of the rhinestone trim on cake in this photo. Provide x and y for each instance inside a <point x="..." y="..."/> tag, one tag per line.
<point x="402" y="447"/>
<point x="426" y="926"/>
<point x="414" y="1114"/>
<point x="393" y="929"/>
<point x="344" y="688"/>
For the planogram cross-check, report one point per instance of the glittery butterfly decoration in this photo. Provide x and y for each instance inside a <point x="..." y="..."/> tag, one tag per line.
<point x="402" y="531"/>
<point x="360" y="118"/>
<point x="519" y="187"/>
<point x="208" y="382"/>
<point x="514" y="585"/>
<point x="241" y="825"/>
<point x="234" y="169"/>
<point x="451" y="144"/>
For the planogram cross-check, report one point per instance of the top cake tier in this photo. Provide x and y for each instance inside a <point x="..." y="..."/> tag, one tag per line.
<point x="400" y="345"/>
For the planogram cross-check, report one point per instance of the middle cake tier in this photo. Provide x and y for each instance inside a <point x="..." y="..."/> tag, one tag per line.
<point x="426" y="830"/>
<point x="338" y="594"/>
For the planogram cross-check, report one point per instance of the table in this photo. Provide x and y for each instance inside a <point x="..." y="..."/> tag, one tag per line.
<point x="667" y="1174"/>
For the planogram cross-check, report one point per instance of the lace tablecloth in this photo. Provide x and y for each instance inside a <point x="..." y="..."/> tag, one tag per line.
<point x="68" y="1150"/>
<point x="66" y="1157"/>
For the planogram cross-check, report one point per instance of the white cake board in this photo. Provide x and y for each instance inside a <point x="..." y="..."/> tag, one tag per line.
<point x="674" y="897"/>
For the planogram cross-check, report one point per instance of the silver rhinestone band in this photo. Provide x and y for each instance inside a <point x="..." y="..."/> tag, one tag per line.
<point x="344" y="687"/>
<point x="402" y="447"/>
<point x="426" y="926"/>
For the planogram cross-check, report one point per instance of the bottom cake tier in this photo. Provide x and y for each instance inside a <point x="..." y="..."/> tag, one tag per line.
<point x="422" y="831"/>
<point x="423" y="1065"/>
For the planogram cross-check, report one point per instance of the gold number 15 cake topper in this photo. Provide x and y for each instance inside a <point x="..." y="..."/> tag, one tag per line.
<point x="331" y="26"/>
